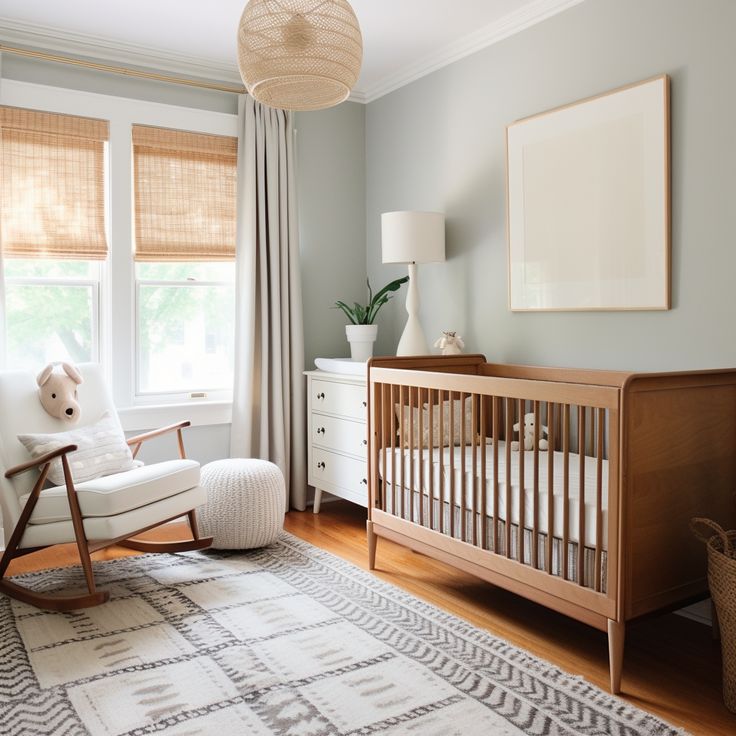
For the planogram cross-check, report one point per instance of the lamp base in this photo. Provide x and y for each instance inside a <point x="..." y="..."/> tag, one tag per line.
<point x="413" y="341"/>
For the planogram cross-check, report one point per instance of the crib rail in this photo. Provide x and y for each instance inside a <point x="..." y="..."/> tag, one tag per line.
<point x="448" y="457"/>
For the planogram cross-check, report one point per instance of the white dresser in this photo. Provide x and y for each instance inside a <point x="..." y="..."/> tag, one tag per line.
<point x="338" y="439"/>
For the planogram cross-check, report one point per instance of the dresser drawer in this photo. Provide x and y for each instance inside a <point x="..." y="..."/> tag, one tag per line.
<point x="339" y="434"/>
<point x="339" y="470"/>
<point x="343" y="399"/>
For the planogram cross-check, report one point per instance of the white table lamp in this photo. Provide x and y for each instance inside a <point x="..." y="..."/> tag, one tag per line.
<point x="413" y="237"/>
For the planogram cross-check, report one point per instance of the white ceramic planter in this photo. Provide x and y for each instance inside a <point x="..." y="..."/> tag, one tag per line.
<point x="361" y="339"/>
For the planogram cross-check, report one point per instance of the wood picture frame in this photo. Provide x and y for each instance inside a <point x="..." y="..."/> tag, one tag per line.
<point x="588" y="197"/>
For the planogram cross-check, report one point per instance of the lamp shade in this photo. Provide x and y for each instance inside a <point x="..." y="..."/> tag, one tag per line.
<point x="299" y="54"/>
<point x="412" y="237"/>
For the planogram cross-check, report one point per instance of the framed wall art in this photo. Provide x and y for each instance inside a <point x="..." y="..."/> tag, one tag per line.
<point x="588" y="192"/>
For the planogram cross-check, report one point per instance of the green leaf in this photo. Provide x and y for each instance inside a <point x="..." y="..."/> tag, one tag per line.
<point x="347" y="310"/>
<point x="364" y="315"/>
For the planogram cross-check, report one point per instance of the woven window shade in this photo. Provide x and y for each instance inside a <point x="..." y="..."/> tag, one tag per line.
<point x="53" y="185"/>
<point x="185" y="186"/>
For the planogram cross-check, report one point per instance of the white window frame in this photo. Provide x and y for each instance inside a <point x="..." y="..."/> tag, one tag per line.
<point x="117" y="324"/>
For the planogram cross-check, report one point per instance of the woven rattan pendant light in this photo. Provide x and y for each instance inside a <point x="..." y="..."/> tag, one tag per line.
<point x="299" y="54"/>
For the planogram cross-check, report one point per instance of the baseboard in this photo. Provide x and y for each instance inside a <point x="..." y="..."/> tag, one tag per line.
<point x="699" y="612"/>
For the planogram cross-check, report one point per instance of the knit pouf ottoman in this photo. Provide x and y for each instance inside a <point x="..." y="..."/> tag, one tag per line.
<point x="245" y="503"/>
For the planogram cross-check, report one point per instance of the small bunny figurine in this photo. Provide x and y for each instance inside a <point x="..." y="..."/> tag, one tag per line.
<point x="451" y="343"/>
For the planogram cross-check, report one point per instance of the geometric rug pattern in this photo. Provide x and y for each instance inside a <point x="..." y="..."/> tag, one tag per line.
<point x="288" y="639"/>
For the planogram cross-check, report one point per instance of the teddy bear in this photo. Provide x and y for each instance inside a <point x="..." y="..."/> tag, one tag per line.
<point x="450" y="343"/>
<point x="529" y="420"/>
<point x="58" y="392"/>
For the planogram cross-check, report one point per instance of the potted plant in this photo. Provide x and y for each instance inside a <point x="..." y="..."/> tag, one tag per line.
<point x="361" y="332"/>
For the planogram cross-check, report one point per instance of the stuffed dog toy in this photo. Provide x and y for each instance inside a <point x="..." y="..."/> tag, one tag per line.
<point x="529" y="420"/>
<point x="58" y="392"/>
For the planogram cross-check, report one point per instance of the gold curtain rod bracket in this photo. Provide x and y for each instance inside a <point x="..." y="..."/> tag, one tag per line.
<point x="125" y="71"/>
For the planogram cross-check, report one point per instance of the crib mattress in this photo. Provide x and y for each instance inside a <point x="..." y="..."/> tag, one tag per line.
<point x="439" y="461"/>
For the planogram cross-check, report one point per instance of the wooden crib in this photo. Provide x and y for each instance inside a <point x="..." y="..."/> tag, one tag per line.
<point x="595" y="525"/>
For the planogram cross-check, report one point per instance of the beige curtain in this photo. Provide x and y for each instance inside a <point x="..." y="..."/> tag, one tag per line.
<point x="268" y="402"/>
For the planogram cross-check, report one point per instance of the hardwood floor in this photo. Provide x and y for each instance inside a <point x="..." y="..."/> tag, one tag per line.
<point x="671" y="665"/>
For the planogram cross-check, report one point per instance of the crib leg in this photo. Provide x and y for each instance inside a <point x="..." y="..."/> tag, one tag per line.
<point x="616" y="635"/>
<point x="372" y="539"/>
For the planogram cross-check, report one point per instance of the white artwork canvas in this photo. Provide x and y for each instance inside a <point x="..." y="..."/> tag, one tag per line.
<point x="588" y="203"/>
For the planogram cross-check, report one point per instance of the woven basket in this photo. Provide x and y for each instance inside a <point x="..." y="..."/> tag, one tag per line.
<point x="722" y="581"/>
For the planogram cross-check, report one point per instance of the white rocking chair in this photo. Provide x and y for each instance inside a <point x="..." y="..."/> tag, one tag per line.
<point x="95" y="514"/>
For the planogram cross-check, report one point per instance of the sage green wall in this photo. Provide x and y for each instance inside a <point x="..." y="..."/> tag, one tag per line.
<point x="330" y="159"/>
<point x="438" y="144"/>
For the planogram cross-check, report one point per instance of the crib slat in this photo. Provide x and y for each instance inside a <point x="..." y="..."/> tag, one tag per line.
<point x="483" y="518"/>
<point x="430" y="494"/>
<point x="411" y="454"/>
<point x="599" y="501"/>
<point x="451" y="441"/>
<point x="402" y="435"/>
<point x="474" y="463"/>
<point x="507" y="495"/>
<point x="384" y="441"/>
<point x="463" y="474"/>
<point x="581" y="497"/>
<point x="565" y="486"/>
<point x="522" y="489"/>
<point x="551" y="439"/>
<point x="393" y="450"/>
<point x="442" y="441"/>
<point x="496" y="435"/>
<point x="535" y="499"/>
<point x="420" y="443"/>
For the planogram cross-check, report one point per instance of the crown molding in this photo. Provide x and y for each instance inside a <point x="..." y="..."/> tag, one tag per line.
<point x="531" y="14"/>
<point x="108" y="49"/>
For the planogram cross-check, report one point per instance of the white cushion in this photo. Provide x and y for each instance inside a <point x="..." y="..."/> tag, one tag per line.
<point x="102" y="450"/>
<point x="116" y="494"/>
<point x="115" y="527"/>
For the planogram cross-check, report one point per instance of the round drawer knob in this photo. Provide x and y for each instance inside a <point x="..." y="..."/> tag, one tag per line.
<point x="365" y="442"/>
<point x="321" y="395"/>
<point x="321" y="465"/>
<point x="320" y="430"/>
<point x="364" y="482"/>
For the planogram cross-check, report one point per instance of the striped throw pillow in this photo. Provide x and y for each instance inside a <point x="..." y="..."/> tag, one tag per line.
<point x="102" y="450"/>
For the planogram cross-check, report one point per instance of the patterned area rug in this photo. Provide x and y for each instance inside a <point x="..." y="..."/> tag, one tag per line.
<point x="283" y="640"/>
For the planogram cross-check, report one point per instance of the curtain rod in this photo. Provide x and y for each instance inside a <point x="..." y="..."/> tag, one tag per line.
<point x="125" y="71"/>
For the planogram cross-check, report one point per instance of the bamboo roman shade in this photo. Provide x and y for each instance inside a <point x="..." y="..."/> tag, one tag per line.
<point x="185" y="187"/>
<point x="53" y="185"/>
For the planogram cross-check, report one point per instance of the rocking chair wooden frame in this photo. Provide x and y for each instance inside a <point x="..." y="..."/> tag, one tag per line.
<point x="85" y="548"/>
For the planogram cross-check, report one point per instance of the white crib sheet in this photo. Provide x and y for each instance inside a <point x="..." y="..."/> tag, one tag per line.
<point x="590" y="485"/>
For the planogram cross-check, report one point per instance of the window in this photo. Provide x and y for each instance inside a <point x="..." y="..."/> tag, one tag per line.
<point x="185" y="315"/>
<point x="98" y="265"/>
<point x="185" y="187"/>
<point x="52" y="311"/>
<point x="53" y="235"/>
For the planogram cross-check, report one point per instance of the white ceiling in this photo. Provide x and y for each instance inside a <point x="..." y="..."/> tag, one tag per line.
<point x="402" y="39"/>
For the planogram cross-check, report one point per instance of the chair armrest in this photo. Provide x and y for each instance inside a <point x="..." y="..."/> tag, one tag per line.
<point x="48" y="457"/>
<point x="156" y="432"/>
